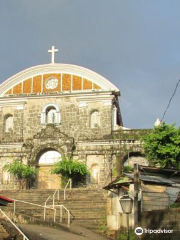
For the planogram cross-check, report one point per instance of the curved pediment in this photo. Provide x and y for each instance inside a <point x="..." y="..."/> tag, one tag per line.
<point x="49" y="78"/>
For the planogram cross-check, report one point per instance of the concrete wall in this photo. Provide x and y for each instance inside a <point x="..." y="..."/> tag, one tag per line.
<point x="162" y="219"/>
<point x="153" y="197"/>
<point x="116" y="219"/>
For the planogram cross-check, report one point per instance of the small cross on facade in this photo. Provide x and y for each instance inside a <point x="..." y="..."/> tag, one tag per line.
<point x="52" y="51"/>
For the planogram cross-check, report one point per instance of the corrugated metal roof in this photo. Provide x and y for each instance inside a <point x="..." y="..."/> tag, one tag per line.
<point x="129" y="178"/>
<point x="123" y="180"/>
<point x="154" y="179"/>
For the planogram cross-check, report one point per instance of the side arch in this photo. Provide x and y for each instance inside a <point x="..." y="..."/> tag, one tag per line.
<point x="135" y="157"/>
<point x="8" y="123"/>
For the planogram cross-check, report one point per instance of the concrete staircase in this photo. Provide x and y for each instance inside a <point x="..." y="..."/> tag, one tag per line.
<point x="87" y="206"/>
<point x="32" y="195"/>
<point x="27" y="212"/>
<point x="4" y="234"/>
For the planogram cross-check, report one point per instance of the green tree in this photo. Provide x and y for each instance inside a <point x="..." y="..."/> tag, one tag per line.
<point x="24" y="173"/>
<point x="162" y="146"/>
<point x="70" y="169"/>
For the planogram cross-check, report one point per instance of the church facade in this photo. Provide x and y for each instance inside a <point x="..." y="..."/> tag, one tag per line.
<point x="52" y="111"/>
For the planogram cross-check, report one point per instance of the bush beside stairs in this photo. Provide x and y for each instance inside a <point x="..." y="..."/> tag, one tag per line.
<point x="87" y="206"/>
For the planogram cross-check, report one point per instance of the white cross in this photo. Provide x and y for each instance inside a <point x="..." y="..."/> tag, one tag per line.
<point x="53" y="51"/>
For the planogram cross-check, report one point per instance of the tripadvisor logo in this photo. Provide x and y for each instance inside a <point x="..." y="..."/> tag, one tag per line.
<point x="138" y="231"/>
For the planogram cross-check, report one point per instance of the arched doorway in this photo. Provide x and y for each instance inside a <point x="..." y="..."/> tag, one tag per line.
<point x="46" y="180"/>
<point x="5" y="177"/>
<point x="135" y="158"/>
<point x="95" y="173"/>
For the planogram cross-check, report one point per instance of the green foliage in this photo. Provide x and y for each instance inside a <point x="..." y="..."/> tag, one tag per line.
<point x="162" y="146"/>
<point x="22" y="172"/>
<point x="114" y="172"/>
<point x="127" y="169"/>
<point x="122" y="235"/>
<point x="70" y="169"/>
<point x="123" y="179"/>
<point x="102" y="227"/>
<point x="175" y="205"/>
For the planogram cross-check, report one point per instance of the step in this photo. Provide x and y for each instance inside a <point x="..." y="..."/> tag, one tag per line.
<point x="3" y="232"/>
<point x="87" y="205"/>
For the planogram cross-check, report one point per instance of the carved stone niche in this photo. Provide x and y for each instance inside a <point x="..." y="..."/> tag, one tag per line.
<point x="49" y="138"/>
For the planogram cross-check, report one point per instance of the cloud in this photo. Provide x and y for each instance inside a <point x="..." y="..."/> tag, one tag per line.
<point x="133" y="44"/>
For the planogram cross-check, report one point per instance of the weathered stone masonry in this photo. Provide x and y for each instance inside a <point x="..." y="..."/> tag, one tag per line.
<point x="71" y="131"/>
<point x="63" y="108"/>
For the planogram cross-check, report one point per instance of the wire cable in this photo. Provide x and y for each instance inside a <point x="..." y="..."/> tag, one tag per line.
<point x="170" y="100"/>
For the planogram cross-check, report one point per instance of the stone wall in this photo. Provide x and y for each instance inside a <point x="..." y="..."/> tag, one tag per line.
<point x="163" y="219"/>
<point x="73" y="136"/>
<point x="75" y="120"/>
<point x="16" y="134"/>
<point x="104" y="153"/>
<point x="9" y="153"/>
<point x="29" y="136"/>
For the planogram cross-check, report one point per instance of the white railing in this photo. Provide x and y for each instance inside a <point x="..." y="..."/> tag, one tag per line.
<point x="61" y="207"/>
<point x="70" y="186"/>
<point x="24" y="236"/>
<point x="45" y="204"/>
<point x="34" y="204"/>
<point x="56" y="206"/>
<point x="54" y="196"/>
<point x="46" y="207"/>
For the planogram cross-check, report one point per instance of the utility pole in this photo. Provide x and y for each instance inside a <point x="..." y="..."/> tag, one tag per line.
<point x="119" y="164"/>
<point x="136" y="191"/>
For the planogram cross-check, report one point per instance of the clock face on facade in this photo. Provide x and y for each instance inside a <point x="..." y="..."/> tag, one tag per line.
<point x="51" y="83"/>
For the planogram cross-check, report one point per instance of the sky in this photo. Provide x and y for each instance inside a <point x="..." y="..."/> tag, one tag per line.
<point x="134" y="44"/>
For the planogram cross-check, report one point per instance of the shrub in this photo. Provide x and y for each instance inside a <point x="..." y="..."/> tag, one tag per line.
<point x="175" y="205"/>
<point x="162" y="146"/>
<point x="127" y="169"/>
<point x="70" y="169"/>
<point x="24" y="173"/>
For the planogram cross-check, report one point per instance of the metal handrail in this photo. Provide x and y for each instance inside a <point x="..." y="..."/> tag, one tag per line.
<point x="45" y="204"/>
<point x="34" y="204"/>
<point x="24" y="236"/>
<point x="61" y="213"/>
<point x="47" y="207"/>
<point x="54" y="195"/>
<point x="61" y="207"/>
<point x="70" y="186"/>
<point x="68" y="212"/>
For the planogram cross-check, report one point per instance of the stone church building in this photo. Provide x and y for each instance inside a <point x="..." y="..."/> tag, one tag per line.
<point x="55" y="110"/>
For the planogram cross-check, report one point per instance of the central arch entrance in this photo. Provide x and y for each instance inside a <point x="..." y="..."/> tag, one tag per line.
<point x="46" y="180"/>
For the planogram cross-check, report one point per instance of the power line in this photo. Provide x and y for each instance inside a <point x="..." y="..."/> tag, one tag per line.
<point x="170" y="100"/>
